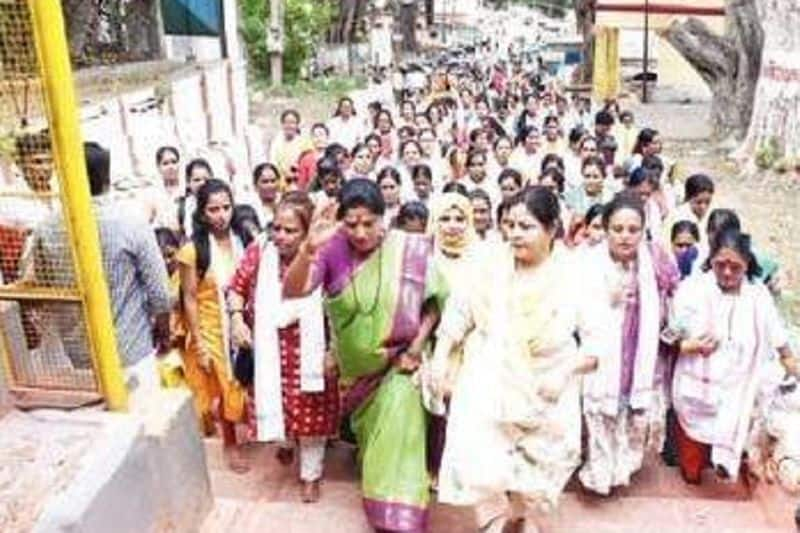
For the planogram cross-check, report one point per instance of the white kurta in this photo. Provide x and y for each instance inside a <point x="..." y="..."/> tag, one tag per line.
<point x="714" y="396"/>
<point x="502" y="436"/>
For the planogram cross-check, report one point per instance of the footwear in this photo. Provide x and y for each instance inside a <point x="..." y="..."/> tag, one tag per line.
<point x="310" y="491"/>
<point x="528" y="526"/>
<point x="237" y="462"/>
<point x="285" y="456"/>
<point x="499" y="524"/>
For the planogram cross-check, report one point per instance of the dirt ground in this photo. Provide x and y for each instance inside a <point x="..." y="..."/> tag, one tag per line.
<point x="766" y="201"/>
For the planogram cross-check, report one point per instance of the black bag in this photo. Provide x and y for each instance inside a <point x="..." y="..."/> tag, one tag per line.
<point x="244" y="366"/>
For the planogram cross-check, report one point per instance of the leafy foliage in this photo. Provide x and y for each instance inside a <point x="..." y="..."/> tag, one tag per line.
<point x="769" y="153"/>
<point x="306" y="22"/>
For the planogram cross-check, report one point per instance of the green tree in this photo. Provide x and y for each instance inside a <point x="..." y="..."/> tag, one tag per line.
<point x="306" y="22"/>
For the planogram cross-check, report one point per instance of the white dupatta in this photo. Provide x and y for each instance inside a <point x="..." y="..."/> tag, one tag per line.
<point x="601" y="389"/>
<point x="222" y="277"/>
<point x="272" y="313"/>
<point x="715" y="396"/>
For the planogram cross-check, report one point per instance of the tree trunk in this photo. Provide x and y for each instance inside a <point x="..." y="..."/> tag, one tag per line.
<point x="80" y="17"/>
<point x="584" y="17"/>
<point x="728" y="63"/>
<point x="275" y="41"/>
<point x="407" y="20"/>
<point x="776" y="107"/>
<point x="142" y="39"/>
<point x="345" y="23"/>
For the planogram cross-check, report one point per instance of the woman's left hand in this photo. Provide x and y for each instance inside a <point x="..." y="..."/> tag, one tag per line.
<point x="408" y="361"/>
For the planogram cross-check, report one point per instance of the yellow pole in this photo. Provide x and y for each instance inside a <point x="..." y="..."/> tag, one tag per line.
<point x="57" y="82"/>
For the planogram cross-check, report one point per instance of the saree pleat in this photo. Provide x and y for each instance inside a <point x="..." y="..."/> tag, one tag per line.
<point x="375" y="317"/>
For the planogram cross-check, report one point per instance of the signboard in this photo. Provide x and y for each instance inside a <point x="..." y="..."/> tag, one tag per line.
<point x="192" y="17"/>
<point x="661" y="13"/>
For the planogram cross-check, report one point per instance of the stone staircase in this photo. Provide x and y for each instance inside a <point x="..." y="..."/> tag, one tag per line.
<point x="267" y="499"/>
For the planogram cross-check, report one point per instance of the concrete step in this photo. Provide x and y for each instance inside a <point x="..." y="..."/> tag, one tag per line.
<point x="267" y="498"/>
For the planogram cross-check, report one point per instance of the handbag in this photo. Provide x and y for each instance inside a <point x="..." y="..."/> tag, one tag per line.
<point x="244" y="366"/>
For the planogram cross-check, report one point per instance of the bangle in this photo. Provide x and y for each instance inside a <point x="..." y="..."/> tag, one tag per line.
<point x="236" y="311"/>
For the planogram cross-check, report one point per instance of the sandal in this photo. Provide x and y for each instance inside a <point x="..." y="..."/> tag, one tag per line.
<point x="285" y="456"/>
<point x="310" y="492"/>
<point x="237" y="462"/>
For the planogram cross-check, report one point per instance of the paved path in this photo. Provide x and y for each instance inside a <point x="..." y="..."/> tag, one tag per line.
<point x="267" y="499"/>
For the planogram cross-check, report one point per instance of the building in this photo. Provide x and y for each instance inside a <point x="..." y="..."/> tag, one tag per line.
<point x="201" y="31"/>
<point x="619" y="45"/>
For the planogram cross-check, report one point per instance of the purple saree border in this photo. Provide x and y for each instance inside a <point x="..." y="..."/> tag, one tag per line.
<point x="394" y="516"/>
<point x="410" y="293"/>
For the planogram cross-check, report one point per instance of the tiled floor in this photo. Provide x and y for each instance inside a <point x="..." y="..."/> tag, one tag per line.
<point x="267" y="499"/>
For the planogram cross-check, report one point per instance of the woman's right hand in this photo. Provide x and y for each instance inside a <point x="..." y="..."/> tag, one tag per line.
<point x="241" y="334"/>
<point x="323" y="226"/>
<point x="204" y="358"/>
<point x="702" y="346"/>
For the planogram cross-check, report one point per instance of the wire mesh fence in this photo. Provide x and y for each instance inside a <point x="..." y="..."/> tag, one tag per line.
<point x="43" y="335"/>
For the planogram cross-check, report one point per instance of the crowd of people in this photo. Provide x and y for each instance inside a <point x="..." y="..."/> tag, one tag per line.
<point x="488" y="286"/>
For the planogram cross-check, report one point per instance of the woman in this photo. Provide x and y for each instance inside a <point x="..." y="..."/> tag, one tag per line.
<point x="410" y="156"/>
<point x="478" y="178"/>
<point x="529" y="116"/>
<point x="553" y="142"/>
<point x="289" y="145"/>
<point x="454" y="253"/>
<point x="422" y="180"/>
<point x="169" y="190"/>
<point x="588" y="232"/>
<point x="307" y="163"/>
<point x="408" y="114"/>
<point x="623" y="404"/>
<point x="390" y="184"/>
<point x="206" y="265"/>
<point x="513" y="436"/>
<point x="345" y="126"/>
<point x="626" y="133"/>
<point x="502" y="154"/>
<point x="296" y="395"/>
<point x="729" y="330"/>
<point x="594" y="190"/>
<point x="364" y="272"/>
<point x="413" y="217"/>
<point x="527" y="156"/>
<point x="573" y="157"/>
<point x="457" y="164"/>
<point x="198" y="172"/>
<point x="509" y="182"/>
<point x="246" y="225"/>
<point x="697" y="198"/>
<point x="684" y="238"/>
<point x="362" y="162"/>
<point x="266" y="181"/>
<point x="385" y="130"/>
<point x="168" y="160"/>
<point x="644" y="183"/>
<point x="329" y="181"/>
<point x="373" y="142"/>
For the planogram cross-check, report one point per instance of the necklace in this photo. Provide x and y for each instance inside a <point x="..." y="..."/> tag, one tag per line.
<point x="376" y="298"/>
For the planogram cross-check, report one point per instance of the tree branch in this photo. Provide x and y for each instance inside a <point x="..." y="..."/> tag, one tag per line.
<point x="745" y="27"/>
<point x="713" y="57"/>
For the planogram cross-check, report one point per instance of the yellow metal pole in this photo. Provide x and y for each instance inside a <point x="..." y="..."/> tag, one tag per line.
<point x="57" y="82"/>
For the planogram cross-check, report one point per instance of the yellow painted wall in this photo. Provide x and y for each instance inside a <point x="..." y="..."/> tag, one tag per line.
<point x="673" y="69"/>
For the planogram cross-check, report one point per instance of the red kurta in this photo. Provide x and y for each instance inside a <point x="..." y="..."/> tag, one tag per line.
<point x="305" y="414"/>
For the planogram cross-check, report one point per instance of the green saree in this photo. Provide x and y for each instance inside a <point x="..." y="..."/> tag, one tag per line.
<point x="375" y="309"/>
